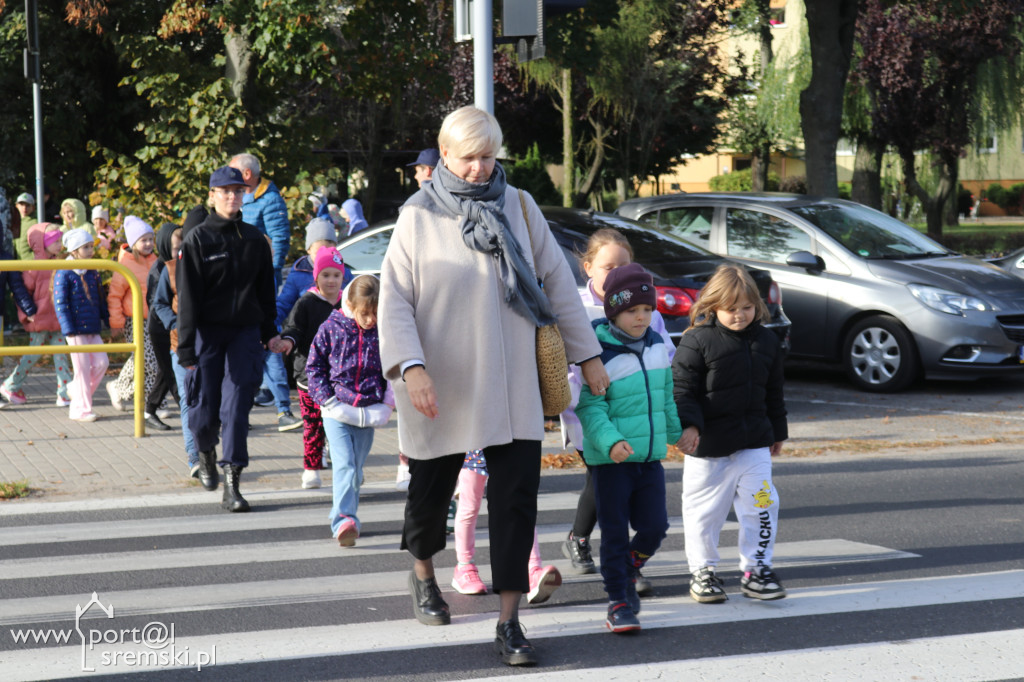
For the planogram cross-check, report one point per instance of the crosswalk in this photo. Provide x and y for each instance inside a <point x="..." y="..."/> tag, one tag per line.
<point x="170" y="584"/>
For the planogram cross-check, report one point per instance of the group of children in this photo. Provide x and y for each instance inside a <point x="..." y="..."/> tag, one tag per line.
<point x="718" y="397"/>
<point x="71" y="307"/>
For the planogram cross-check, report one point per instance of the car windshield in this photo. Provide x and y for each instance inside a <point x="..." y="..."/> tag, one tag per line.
<point x="650" y="247"/>
<point x="869" y="233"/>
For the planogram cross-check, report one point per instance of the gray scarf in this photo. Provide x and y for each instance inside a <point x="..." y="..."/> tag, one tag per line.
<point x="485" y="228"/>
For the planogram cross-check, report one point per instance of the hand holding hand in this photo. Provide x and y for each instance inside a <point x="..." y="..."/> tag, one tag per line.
<point x="421" y="390"/>
<point x="595" y="376"/>
<point x="620" y="452"/>
<point x="689" y="441"/>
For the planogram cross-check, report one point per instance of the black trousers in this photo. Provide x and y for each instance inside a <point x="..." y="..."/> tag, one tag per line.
<point x="586" y="508"/>
<point x="161" y="340"/>
<point x="514" y="479"/>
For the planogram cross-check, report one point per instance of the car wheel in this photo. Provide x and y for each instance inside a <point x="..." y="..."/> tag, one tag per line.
<point x="880" y="355"/>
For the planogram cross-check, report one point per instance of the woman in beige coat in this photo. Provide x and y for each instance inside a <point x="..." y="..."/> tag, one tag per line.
<point x="458" y="315"/>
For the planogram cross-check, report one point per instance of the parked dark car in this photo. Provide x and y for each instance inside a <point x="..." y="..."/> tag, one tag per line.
<point x="1013" y="263"/>
<point x="861" y="288"/>
<point x="679" y="269"/>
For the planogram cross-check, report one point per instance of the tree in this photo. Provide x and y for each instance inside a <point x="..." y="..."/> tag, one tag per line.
<point x="830" y="26"/>
<point x="920" y="60"/>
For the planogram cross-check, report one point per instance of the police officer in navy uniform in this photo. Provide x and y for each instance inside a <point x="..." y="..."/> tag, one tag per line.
<point x="226" y="310"/>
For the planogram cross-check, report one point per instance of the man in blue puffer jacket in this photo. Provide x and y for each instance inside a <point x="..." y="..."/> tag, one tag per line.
<point x="264" y="208"/>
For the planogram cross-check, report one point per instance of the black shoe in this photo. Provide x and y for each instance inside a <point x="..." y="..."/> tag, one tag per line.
<point x="621" y="618"/>
<point x="208" y="475"/>
<point x="577" y="550"/>
<point x="154" y="422"/>
<point x="632" y="598"/>
<point x="427" y="604"/>
<point x="264" y="398"/>
<point x="233" y="500"/>
<point x="512" y="645"/>
<point x="643" y="586"/>
<point x="286" y="421"/>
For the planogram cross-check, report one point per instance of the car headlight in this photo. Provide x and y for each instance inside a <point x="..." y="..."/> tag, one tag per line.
<point x="946" y="301"/>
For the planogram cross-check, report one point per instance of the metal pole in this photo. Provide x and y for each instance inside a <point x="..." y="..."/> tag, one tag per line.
<point x="483" y="55"/>
<point x="32" y="19"/>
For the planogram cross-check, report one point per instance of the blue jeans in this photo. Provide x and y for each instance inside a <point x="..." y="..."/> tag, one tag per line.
<point x="190" y="443"/>
<point x="275" y="377"/>
<point x="350" y="445"/>
<point x="630" y="493"/>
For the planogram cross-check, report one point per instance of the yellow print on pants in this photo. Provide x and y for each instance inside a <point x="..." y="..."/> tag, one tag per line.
<point x="763" y="497"/>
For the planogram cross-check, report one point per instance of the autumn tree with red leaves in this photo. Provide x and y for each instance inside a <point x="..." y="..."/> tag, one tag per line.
<point x="920" y="61"/>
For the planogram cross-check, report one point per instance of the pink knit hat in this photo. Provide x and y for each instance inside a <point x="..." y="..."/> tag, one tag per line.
<point x="50" y="237"/>
<point x="327" y="257"/>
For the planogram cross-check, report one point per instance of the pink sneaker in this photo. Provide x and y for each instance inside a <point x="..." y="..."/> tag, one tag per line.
<point x="347" y="533"/>
<point x="13" y="397"/>
<point x="467" y="580"/>
<point x="543" y="583"/>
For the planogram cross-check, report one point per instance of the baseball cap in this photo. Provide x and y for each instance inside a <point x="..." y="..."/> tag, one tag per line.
<point x="225" y="176"/>
<point x="25" y="198"/>
<point x="427" y="157"/>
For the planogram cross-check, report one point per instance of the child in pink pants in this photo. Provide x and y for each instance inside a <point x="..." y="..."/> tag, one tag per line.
<point x="544" y="580"/>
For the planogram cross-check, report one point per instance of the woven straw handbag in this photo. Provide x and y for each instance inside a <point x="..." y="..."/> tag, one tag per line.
<point x="552" y="365"/>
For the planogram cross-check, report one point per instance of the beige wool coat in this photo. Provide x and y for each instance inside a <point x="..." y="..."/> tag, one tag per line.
<point x="443" y="302"/>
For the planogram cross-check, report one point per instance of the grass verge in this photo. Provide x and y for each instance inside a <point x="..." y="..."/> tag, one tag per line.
<point x="12" y="490"/>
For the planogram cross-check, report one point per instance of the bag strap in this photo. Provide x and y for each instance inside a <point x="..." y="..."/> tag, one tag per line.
<point x="529" y="234"/>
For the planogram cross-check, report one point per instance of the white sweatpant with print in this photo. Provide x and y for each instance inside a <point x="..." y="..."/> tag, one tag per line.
<point x="743" y="480"/>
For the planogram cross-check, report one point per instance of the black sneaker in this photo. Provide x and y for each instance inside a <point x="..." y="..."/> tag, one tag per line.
<point x="264" y="398"/>
<point x="762" y="583"/>
<point x="577" y="550"/>
<point x="286" y="421"/>
<point x="706" y="587"/>
<point x="621" y="618"/>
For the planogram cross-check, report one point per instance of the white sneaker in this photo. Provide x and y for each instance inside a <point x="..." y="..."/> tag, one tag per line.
<point x="87" y="417"/>
<point x="310" y="478"/>
<point x="63" y="402"/>
<point x="115" y="399"/>
<point x="164" y="413"/>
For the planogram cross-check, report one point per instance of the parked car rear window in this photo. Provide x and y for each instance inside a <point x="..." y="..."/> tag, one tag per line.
<point x="869" y="233"/>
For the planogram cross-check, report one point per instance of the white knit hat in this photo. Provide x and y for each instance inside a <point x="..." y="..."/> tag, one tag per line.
<point x="76" y="239"/>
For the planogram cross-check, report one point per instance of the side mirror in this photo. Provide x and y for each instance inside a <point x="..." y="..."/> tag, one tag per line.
<point x="806" y="260"/>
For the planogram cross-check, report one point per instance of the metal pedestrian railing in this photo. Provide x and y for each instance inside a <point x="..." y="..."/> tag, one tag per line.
<point x="135" y="346"/>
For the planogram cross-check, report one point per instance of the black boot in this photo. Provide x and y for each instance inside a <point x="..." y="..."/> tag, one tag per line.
<point x="427" y="603"/>
<point x="208" y="475"/>
<point x="233" y="500"/>
<point x="512" y="645"/>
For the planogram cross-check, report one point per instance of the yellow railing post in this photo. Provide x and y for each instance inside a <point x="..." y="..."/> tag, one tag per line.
<point x="136" y="346"/>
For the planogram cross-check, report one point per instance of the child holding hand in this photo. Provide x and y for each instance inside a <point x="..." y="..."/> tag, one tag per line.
<point x="346" y="381"/>
<point x="626" y="431"/>
<point x="301" y="325"/>
<point x="728" y="391"/>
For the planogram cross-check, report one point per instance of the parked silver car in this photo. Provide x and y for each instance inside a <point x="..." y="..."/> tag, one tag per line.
<point x="860" y="287"/>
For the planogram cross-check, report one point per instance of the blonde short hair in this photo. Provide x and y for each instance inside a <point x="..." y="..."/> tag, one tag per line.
<point x="729" y="284"/>
<point x="470" y="130"/>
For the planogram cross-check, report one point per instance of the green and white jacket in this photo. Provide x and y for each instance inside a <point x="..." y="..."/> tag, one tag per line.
<point x="638" y="406"/>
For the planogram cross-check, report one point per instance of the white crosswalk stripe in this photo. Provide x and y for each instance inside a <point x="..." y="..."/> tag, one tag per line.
<point x="155" y="583"/>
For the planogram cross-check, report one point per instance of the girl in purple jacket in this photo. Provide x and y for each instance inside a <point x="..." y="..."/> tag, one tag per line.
<point x="345" y="380"/>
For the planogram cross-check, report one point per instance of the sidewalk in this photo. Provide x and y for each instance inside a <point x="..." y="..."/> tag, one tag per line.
<point x="62" y="459"/>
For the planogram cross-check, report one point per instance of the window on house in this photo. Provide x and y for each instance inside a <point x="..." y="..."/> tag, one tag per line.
<point x="777" y="13"/>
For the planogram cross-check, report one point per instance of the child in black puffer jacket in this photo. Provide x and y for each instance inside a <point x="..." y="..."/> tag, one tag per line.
<point x="728" y="378"/>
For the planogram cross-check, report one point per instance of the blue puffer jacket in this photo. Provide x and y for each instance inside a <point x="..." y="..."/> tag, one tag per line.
<point x="264" y="209"/>
<point x="638" y="406"/>
<point x="80" y="304"/>
<point x="21" y="295"/>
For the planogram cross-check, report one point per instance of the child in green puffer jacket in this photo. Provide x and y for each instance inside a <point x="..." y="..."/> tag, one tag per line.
<point x="626" y="432"/>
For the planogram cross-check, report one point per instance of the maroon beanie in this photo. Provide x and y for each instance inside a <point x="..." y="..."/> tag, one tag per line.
<point x="626" y="287"/>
